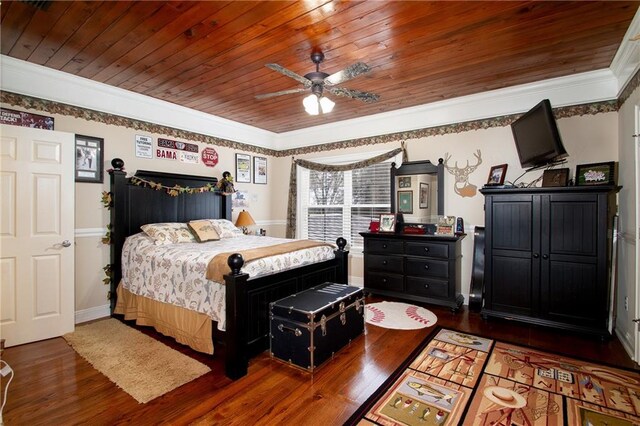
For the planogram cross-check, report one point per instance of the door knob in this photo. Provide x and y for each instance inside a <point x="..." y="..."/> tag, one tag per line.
<point x="536" y="255"/>
<point x="66" y="243"/>
<point x="545" y="256"/>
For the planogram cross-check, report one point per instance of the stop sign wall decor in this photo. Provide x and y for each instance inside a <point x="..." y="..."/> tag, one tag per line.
<point x="209" y="157"/>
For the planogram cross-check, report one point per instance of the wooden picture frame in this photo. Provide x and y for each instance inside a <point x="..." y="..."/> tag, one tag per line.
<point x="497" y="175"/>
<point x="555" y="177"/>
<point x="260" y="170"/>
<point x="243" y="168"/>
<point x="89" y="151"/>
<point x="425" y="194"/>
<point x="596" y="174"/>
<point x="405" y="202"/>
<point x="387" y="223"/>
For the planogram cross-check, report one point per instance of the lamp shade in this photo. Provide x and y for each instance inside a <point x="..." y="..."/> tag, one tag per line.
<point x="244" y="219"/>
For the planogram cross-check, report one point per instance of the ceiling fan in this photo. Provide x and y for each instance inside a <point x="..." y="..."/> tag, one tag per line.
<point x="318" y="81"/>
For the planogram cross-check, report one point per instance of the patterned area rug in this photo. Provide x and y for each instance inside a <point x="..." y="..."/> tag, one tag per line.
<point x="457" y="378"/>
<point x="138" y="364"/>
<point x="399" y="316"/>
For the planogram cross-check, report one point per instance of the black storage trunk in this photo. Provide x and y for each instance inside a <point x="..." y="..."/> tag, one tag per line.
<point x="309" y="327"/>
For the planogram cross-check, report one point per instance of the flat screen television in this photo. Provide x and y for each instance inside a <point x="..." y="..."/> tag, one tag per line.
<point x="537" y="138"/>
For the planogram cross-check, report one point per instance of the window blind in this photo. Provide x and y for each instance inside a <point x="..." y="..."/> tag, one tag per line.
<point x="342" y="204"/>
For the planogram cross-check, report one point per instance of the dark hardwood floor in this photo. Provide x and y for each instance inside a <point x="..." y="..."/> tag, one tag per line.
<point x="54" y="385"/>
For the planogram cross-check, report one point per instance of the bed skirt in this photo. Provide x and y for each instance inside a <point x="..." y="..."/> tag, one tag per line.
<point x="187" y="327"/>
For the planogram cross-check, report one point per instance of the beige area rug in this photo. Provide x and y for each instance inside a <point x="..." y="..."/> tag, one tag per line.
<point x="138" y="364"/>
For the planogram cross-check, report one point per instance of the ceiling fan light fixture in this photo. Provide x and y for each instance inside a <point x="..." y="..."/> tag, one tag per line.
<point x="326" y="105"/>
<point x="311" y="104"/>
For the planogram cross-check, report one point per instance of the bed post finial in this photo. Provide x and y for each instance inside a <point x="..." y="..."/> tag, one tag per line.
<point x="117" y="163"/>
<point x="342" y="243"/>
<point x="235" y="262"/>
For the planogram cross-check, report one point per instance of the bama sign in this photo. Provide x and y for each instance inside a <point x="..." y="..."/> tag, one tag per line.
<point x="209" y="157"/>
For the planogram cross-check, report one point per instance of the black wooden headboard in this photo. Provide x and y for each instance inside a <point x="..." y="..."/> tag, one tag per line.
<point x="135" y="205"/>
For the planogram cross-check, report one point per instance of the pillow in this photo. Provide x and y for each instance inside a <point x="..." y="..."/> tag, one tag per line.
<point x="168" y="233"/>
<point x="203" y="230"/>
<point x="225" y="228"/>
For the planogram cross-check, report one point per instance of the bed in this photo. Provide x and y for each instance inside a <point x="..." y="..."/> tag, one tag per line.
<point x="246" y="299"/>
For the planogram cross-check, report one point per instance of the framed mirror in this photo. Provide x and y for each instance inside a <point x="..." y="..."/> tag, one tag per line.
<point x="417" y="192"/>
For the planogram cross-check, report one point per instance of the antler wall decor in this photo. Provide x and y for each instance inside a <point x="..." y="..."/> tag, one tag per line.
<point x="462" y="186"/>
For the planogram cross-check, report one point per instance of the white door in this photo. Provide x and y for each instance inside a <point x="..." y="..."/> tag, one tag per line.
<point x="36" y="234"/>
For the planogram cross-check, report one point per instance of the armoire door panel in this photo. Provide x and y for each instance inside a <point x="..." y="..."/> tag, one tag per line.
<point x="511" y="285"/>
<point x="573" y="228"/>
<point x="572" y="293"/>
<point x="512" y="225"/>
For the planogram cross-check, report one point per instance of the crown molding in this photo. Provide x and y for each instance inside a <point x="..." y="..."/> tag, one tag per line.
<point x="33" y="80"/>
<point x="589" y="87"/>
<point x="626" y="62"/>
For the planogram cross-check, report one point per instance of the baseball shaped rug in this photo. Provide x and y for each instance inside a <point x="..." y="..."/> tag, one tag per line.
<point x="400" y="316"/>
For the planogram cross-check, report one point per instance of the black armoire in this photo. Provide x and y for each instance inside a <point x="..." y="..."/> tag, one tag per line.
<point x="547" y="255"/>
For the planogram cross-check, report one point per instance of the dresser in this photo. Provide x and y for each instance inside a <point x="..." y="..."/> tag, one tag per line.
<point x="424" y="268"/>
<point x="547" y="256"/>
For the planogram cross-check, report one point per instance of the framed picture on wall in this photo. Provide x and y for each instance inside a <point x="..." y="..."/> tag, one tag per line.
<point x="89" y="159"/>
<point x="259" y="170"/>
<point x="405" y="202"/>
<point x="243" y="168"/>
<point x="404" y="182"/>
<point x="424" y="195"/>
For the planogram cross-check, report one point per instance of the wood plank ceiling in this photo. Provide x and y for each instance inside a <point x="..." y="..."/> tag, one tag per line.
<point x="211" y="56"/>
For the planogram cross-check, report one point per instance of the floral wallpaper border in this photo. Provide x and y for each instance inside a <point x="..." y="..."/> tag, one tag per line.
<point x="53" y="107"/>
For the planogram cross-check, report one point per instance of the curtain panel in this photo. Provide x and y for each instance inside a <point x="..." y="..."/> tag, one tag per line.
<point x="293" y="181"/>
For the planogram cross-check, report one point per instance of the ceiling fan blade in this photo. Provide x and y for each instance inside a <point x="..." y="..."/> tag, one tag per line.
<point x="282" y="92"/>
<point x="347" y="74"/>
<point x="288" y="73"/>
<point x="354" y="94"/>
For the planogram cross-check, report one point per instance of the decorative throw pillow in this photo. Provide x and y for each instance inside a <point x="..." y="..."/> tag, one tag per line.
<point x="168" y="233"/>
<point x="225" y="228"/>
<point x="203" y="230"/>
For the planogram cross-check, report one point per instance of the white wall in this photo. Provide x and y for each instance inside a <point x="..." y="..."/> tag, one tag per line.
<point x="628" y="251"/>
<point x="587" y="139"/>
<point x="92" y="218"/>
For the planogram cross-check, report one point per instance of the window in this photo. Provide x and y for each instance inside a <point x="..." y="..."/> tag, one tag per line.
<point x="342" y="204"/>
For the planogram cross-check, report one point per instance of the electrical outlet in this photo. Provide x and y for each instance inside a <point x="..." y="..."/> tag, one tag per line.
<point x="626" y="303"/>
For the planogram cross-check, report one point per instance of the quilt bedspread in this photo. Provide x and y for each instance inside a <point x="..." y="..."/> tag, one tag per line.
<point x="176" y="273"/>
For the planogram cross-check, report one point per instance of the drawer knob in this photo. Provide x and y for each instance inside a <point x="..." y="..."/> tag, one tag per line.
<point x="384" y="246"/>
<point x="426" y="266"/>
<point x="384" y="280"/>
<point x="384" y="262"/>
<point x="426" y="286"/>
<point x="426" y="249"/>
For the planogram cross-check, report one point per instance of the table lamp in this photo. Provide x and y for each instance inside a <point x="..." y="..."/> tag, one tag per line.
<point x="244" y="221"/>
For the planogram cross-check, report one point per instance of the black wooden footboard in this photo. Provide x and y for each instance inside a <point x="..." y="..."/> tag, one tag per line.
<point x="247" y="317"/>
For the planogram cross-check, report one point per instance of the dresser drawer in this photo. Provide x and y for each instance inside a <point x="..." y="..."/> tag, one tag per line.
<point x="427" y="287"/>
<point x="383" y="246"/>
<point x="427" y="267"/>
<point x="382" y="263"/>
<point x="428" y="249"/>
<point x="382" y="281"/>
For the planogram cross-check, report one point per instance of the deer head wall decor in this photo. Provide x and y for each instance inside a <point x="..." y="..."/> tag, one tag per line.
<point x="462" y="186"/>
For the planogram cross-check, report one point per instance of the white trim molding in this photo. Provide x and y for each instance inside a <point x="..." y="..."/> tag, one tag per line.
<point x="91" y="314"/>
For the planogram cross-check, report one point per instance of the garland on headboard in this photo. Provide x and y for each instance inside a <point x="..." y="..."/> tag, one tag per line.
<point x="175" y="190"/>
<point x="107" y="203"/>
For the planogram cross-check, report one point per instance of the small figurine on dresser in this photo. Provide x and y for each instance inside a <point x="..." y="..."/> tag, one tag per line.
<point x="226" y="184"/>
